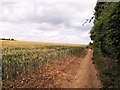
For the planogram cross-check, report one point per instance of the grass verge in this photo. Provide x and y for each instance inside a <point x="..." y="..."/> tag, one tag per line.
<point x="108" y="70"/>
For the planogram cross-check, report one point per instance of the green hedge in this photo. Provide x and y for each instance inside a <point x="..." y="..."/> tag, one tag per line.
<point x="106" y="42"/>
<point x="106" y="30"/>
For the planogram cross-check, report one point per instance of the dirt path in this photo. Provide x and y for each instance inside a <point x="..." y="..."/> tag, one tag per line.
<point x="72" y="72"/>
<point x="86" y="74"/>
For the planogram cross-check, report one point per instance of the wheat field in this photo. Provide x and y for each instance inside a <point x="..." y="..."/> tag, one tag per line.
<point x="20" y="56"/>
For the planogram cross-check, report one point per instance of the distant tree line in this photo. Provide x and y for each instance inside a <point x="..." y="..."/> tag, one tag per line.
<point x="7" y="39"/>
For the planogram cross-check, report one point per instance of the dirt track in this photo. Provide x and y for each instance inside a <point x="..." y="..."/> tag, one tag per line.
<point x="72" y="72"/>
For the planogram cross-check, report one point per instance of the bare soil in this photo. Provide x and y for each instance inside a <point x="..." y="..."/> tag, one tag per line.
<point x="71" y="72"/>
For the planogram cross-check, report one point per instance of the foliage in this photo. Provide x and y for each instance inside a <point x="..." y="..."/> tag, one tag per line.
<point x="108" y="70"/>
<point x="106" y="42"/>
<point x="106" y="30"/>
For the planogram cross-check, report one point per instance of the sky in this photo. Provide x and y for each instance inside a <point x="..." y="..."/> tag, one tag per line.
<point x="46" y="20"/>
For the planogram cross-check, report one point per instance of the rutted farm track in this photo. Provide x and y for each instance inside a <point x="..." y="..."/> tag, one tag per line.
<point x="72" y="72"/>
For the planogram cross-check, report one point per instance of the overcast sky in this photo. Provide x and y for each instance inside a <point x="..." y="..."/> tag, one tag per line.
<point x="46" y="20"/>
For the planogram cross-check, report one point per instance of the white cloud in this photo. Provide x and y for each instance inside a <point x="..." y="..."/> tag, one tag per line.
<point x="46" y="20"/>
